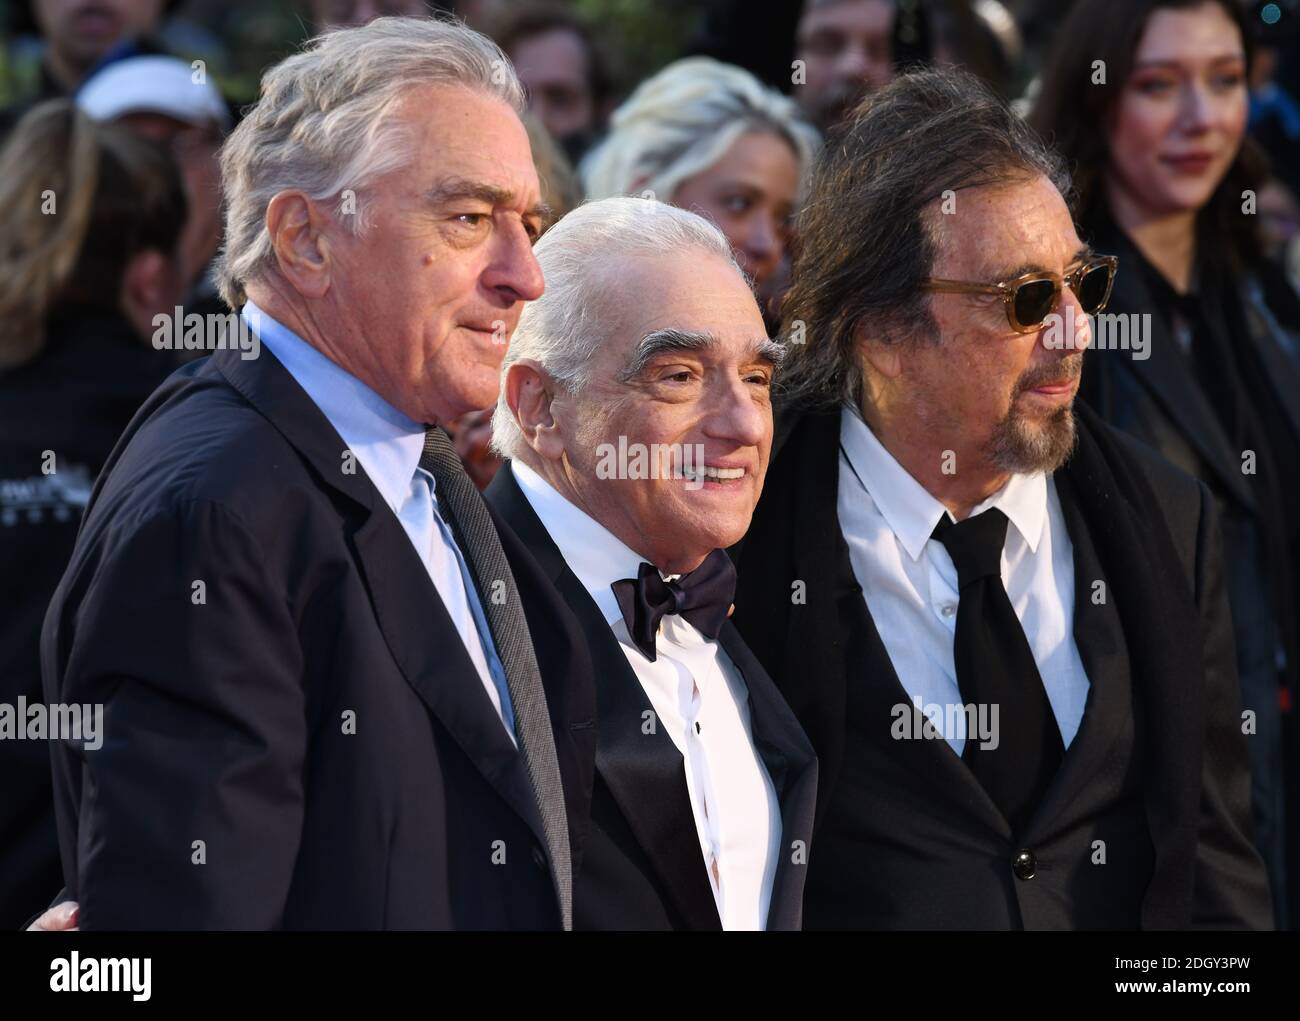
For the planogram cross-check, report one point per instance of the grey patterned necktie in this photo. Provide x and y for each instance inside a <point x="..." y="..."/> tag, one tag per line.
<point x="463" y="508"/>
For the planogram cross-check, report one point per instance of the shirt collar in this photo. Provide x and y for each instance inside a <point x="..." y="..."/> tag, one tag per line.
<point x="593" y="553"/>
<point x="386" y="442"/>
<point x="908" y="507"/>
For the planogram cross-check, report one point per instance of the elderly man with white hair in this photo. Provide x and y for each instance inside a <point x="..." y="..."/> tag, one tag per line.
<point x="636" y="411"/>
<point x="321" y="703"/>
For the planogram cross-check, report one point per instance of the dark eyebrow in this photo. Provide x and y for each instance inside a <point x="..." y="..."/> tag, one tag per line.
<point x="660" y="342"/>
<point x="461" y="188"/>
<point x="1034" y="267"/>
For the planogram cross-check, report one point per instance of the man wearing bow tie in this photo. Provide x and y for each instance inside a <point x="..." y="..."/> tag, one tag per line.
<point x="635" y="410"/>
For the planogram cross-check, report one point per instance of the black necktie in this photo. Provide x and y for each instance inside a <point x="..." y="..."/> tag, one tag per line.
<point x="461" y="505"/>
<point x="995" y="666"/>
<point x="703" y="597"/>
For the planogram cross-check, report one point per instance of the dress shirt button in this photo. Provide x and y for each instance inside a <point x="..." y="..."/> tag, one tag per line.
<point x="948" y="609"/>
<point x="697" y="726"/>
<point x="1024" y="864"/>
<point x="539" y="858"/>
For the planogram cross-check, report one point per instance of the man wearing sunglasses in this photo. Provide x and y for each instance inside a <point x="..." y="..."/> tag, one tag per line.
<point x="1002" y="625"/>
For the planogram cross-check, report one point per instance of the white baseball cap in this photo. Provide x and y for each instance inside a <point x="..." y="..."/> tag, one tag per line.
<point x="153" y="84"/>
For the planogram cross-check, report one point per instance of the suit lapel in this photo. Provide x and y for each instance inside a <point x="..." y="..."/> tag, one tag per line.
<point x="639" y="763"/>
<point x="416" y="626"/>
<point x="1099" y="636"/>
<point x="788" y="757"/>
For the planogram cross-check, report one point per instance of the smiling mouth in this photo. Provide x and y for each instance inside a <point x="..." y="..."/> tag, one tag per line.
<point x="707" y="473"/>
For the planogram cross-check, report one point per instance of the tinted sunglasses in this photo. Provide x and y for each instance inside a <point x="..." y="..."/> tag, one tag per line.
<point x="1031" y="298"/>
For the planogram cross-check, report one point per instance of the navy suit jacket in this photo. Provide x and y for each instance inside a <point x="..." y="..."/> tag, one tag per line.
<point x="294" y="734"/>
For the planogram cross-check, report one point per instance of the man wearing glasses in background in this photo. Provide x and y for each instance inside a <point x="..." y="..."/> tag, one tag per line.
<point x="1002" y="625"/>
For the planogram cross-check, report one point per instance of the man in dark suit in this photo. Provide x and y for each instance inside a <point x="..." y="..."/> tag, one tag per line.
<point x="1002" y="624"/>
<point x="635" y="409"/>
<point x="322" y="705"/>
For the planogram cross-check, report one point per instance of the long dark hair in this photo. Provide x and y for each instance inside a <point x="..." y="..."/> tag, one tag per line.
<point x="865" y="238"/>
<point x="1070" y="112"/>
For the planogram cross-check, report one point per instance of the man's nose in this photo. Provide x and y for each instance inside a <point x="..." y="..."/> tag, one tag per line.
<point x="737" y="417"/>
<point x="1072" y="313"/>
<point x="514" y="273"/>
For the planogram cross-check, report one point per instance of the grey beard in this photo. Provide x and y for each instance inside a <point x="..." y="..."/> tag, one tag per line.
<point x="1019" y="448"/>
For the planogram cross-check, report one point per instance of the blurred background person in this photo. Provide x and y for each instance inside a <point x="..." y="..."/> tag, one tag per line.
<point x="162" y="99"/>
<point x="847" y="47"/>
<point x="711" y="138"/>
<point x="1165" y="176"/>
<point x="328" y="14"/>
<point x="80" y="36"/>
<point x="92" y="220"/>
<point x="565" y="70"/>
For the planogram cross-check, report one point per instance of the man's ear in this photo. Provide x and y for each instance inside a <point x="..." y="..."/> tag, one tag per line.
<point x="529" y="391"/>
<point x="878" y="352"/>
<point x="297" y="227"/>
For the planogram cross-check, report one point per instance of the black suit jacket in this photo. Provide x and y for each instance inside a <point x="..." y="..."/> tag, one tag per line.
<point x="638" y="863"/>
<point x="294" y="733"/>
<point x="1158" y="768"/>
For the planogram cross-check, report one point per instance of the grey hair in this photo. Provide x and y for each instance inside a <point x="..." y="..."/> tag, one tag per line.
<point x="324" y="123"/>
<point x="561" y="330"/>
<point x="682" y="121"/>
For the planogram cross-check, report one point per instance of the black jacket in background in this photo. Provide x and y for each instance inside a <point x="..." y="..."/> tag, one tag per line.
<point x="74" y="399"/>
<point x="1202" y="422"/>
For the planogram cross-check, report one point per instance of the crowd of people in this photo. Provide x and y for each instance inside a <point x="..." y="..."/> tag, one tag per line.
<point x="829" y="245"/>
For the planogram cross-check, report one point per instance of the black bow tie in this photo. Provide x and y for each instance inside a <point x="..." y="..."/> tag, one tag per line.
<point x="703" y="597"/>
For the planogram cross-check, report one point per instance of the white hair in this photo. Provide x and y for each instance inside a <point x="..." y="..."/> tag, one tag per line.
<point x="682" y="121"/>
<point x="324" y="123"/>
<point x="561" y="330"/>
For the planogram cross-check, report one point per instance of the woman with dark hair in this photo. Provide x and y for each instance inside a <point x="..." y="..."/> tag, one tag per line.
<point x="1148" y="101"/>
<point x="92" y="217"/>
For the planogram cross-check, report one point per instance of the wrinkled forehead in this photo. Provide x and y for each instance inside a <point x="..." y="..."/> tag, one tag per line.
<point x="986" y="232"/>
<point x="457" y="134"/>
<point x="693" y="292"/>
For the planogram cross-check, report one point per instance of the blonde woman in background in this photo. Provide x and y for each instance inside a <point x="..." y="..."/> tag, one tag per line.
<point x="711" y="138"/>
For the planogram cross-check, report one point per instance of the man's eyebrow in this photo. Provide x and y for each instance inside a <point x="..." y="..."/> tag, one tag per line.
<point x="767" y="350"/>
<point x="461" y="188"/>
<point x="666" y="341"/>
<point x="652" y="345"/>
<point x="1035" y="267"/>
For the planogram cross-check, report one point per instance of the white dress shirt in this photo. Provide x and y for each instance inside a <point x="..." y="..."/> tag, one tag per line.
<point x="387" y="444"/>
<point x="700" y="700"/>
<point x="910" y="583"/>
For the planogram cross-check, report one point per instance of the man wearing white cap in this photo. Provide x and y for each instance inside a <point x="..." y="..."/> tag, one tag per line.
<point x="172" y="103"/>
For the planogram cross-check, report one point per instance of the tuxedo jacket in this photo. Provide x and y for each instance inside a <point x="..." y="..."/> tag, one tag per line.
<point x="637" y="863"/>
<point x="1147" y="821"/>
<point x="294" y="734"/>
